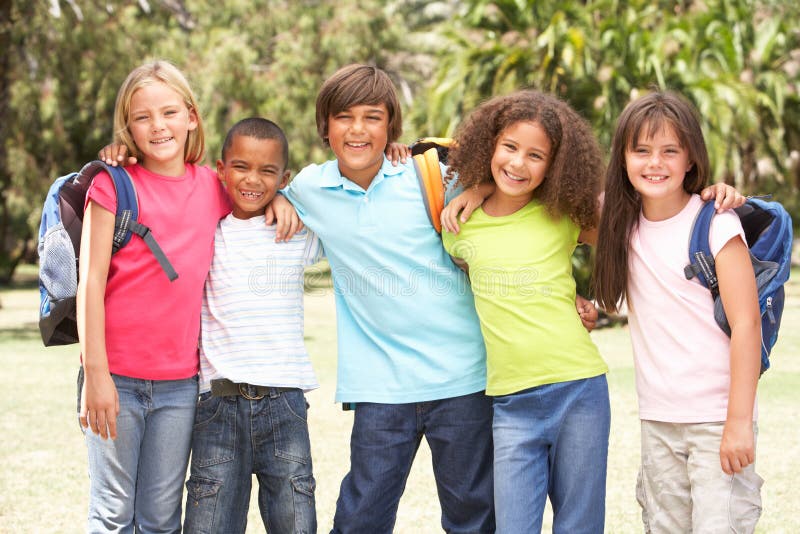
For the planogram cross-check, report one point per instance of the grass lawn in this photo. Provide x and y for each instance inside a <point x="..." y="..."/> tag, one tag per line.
<point x="43" y="485"/>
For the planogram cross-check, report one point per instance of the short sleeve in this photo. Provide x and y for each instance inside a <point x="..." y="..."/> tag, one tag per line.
<point x="313" y="252"/>
<point x="724" y="227"/>
<point x="103" y="192"/>
<point x="294" y="192"/>
<point x="224" y="200"/>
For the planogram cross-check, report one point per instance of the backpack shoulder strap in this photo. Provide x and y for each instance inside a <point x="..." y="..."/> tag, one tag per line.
<point x="127" y="214"/>
<point x="429" y="174"/>
<point x="701" y="261"/>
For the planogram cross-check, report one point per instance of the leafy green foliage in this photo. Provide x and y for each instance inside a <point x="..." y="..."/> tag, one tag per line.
<point x="737" y="60"/>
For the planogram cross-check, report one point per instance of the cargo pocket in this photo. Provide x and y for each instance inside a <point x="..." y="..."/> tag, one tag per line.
<point x="201" y="503"/>
<point x="305" y="512"/>
<point x="744" y="507"/>
<point x="214" y="432"/>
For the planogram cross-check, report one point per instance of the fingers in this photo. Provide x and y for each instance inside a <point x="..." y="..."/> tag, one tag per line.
<point x="269" y="214"/>
<point x="115" y="154"/>
<point x="469" y="207"/>
<point x="397" y="152"/>
<point x="449" y="219"/>
<point x="734" y="461"/>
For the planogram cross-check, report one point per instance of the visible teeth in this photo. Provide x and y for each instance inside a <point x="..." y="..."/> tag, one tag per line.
<point x="357" y="145"/>
<point x="514" y="177"/>
<point x="161" y="141"/>
<point x="251" y="195"/>
<point x="655" y="178"/>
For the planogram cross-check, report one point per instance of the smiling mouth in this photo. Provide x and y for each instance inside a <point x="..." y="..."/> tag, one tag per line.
<point x="357" y="145"/>
<point x="251" y="195"/>
<point x="655" y="178"/>
<point x="161" y="141"/>
<point x="513" y="177"/>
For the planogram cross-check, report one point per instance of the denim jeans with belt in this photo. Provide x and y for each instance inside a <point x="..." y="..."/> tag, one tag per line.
<point x="383" y="443"/>
<point x="137" y="478"/>
<point x="552" y="440"/>
<point x="235" y="437"/>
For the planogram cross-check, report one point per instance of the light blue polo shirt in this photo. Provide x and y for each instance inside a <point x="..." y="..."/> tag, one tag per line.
<point x="406" y="322"/>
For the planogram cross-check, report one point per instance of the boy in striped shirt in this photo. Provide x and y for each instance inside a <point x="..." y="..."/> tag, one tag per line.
<point x="254" y="368"/>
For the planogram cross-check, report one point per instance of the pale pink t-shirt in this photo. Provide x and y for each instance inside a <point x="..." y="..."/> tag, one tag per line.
<point x="682" y="357"/>
<point x="152" y="324"/>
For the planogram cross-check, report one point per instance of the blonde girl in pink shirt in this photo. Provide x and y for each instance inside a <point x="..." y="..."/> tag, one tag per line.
<point x="138" y="330"/>
<point x="696" y="386"/>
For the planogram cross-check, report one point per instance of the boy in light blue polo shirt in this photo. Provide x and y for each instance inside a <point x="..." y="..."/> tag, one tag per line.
<point x="411" y="356"/>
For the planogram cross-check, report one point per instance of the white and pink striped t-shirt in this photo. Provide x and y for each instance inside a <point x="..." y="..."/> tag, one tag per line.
<point x="252" y="315"/>
<point x="682" y="357"/>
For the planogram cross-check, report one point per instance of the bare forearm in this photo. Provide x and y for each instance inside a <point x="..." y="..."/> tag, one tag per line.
<point x="745" y="365"/>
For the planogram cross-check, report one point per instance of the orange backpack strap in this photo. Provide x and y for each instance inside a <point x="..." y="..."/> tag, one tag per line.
<point x="431" y="184"/>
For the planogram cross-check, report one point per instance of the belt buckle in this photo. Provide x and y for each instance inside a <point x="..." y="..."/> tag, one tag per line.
<point x="243" y="392"/>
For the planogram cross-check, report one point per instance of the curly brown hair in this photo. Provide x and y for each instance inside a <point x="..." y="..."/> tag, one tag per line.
<point x="572" y="182"/>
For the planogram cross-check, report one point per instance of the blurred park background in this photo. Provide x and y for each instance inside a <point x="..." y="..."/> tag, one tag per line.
<point x="62" y="61"/>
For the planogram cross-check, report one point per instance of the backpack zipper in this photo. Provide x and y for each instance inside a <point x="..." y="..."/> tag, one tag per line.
<point x="770" y="314"/>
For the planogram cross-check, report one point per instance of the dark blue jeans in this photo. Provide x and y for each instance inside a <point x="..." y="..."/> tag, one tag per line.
<point x="383" y="444"/>
<point x="235" y="438"/>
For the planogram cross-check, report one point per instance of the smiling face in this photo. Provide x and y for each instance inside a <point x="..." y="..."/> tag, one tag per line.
<point x="656" y="164"/>
<point x="519" y="164"/>
<point x="358" y="136"/>
<point x="159" y="123"/>
<point x="253" y="171"/>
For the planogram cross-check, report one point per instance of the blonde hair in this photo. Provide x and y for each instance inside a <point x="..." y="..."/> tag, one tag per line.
<point x="158" y="71"/>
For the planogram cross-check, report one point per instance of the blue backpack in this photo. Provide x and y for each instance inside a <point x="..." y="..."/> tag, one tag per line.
<point x="768" y="232"/>
<point x="60" y="244"/>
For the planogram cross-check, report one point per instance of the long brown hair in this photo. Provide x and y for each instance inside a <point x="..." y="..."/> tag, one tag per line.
<point x="642" y="118"/>
<point x="572" y="180"/>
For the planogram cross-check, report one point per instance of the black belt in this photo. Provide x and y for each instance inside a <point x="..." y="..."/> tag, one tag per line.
<point x="222" y="387"/>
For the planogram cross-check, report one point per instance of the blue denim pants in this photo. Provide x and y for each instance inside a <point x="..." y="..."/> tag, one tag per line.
<point x="383" y="443"/>
<point x="234" y="438"/>
<point x="552" y="440"/>
<point x="136" y="480"/>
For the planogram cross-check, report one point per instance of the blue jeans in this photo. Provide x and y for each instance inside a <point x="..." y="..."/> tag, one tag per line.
<point x="137" y="479"/>
<point x="552" y="440"/>
<point x="383" y="444"/>
<point x="235" y="438"/>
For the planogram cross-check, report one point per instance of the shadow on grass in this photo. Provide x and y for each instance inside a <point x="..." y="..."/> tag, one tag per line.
<point x="25" y="332"/>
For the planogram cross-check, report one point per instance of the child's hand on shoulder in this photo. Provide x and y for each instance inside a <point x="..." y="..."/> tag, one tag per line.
<point x="725" y="196"/>
<point x="397" y="153"/>
<point x="462" y="206"/>
<point x="281" y="213"/>
<point x="737" y="449"/>
<point x="114" y="154"/>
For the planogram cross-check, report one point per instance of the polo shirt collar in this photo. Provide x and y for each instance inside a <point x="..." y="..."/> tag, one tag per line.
<point x="331" y="177"/>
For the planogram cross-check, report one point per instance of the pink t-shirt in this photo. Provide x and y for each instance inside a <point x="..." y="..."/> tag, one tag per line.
<point x="682" y="357"/>
<point x="152" y="324"/>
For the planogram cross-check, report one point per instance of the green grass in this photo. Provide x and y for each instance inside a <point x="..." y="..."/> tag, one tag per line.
<point x="43" y="485"/>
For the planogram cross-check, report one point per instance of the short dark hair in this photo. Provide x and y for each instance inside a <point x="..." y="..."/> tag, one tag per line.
<point x="258" y="128"/>
<point x="356" y="85"/>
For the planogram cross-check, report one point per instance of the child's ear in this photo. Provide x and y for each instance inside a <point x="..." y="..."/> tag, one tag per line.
<point x="221" y="171"/>
<point x="193" y="122"/>
<point x="284" y="179"/>
<point x="689" y="168"/>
